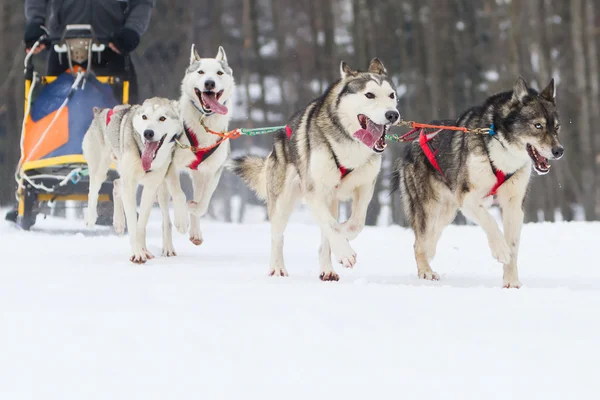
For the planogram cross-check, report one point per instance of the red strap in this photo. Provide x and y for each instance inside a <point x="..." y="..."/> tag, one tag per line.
<point x="344" y="171"/>
<point x="423" y="140"/>
<point x="288" y="131"/>
<point x="200" y="155"/>
<point x="109" y="115"/>
<point x="500" y="179"/>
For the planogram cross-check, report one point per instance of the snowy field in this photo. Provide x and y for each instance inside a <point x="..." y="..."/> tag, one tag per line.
<point x="79" y="321"/>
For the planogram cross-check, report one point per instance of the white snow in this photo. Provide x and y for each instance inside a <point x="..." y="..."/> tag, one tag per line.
<point x="492" y="75"/>
<point x="78" y="321"/>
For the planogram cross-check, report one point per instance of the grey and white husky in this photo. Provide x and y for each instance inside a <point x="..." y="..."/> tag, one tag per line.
<point x="140" y="139"/>
<point x="329" y="151"/>
<point x="206" y="102"/>
<point x="457" y="170"/>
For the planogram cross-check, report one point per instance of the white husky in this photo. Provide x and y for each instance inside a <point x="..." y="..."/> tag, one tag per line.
<point x="141" y="140"/>
<point x="205" y="103"/>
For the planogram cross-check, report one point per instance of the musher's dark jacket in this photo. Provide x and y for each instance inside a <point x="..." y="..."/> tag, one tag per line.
<point x="106" y="16"/>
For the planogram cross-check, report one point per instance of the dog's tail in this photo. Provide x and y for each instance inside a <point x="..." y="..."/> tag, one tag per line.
<point x="253" y="171"/>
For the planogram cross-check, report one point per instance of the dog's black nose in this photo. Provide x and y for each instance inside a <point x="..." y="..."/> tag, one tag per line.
<point x="558" y="151"/>
<point x="392" y="116"/>
<point x="209" y="85"/>
<point x="148" y="134"/>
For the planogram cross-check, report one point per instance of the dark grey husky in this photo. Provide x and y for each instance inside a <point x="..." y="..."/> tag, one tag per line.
<point x="455" y="170"/>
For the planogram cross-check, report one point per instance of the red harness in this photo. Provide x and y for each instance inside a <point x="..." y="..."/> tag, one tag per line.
<point x="201" y="155"/>
<point x="343" y="170"/>
<point x="109" y="115"/>
<point x="430" y="153"/>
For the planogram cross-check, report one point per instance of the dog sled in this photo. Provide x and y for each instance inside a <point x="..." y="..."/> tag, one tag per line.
<point x="57" y="114"/>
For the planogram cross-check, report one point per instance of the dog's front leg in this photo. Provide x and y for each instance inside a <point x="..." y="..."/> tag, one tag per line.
<point x="179" y="204"/>
<point x="474" y="209"/>
<point x="148" y="196"/>
<point x="512" y="218"/>
<point x="360" y="203"/>
<point x="204" y="187"/>
<point x="129" y="186"/>
<point x="327" y="272"/>
<point x="510" y="197"/>
<point x="167" y="234"/>
<point x="118" y="211"/>
<point x="319" y="201"/>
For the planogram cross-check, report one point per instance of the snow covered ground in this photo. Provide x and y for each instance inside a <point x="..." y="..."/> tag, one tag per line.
<point x="78" y="321"/>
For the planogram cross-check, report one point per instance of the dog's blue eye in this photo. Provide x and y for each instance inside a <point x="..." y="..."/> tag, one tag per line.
<point x="370" y="95"/>
<point x="538" y="126"/>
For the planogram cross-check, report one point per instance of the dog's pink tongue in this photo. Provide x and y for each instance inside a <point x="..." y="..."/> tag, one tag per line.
<point x="148" y="154"/>
<point x="370" y="135"/>
<point x="211" y="100"/>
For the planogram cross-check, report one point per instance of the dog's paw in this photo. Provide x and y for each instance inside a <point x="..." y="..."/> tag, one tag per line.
<point x="169" y="251"/>
<point x="90" y="219"/>
<point x="351" y="229"/>
<point x="149" y="256"/>
<point x="429" y="275"/>
<point x="139" y="258"/>
<point x="345" y="255"/>
<point x="329" y="276"/>
<point x="119" y="227"/>
<point x="196" y="240"/>
<point x="500" y="250"/>
<point x="182" y="222"/>
<point x="278" y="271"/>
<point x="511" y="283"/>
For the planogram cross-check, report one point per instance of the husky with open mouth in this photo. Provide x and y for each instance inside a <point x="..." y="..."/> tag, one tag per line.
<point x="456" y="170"/>
<point x="140" y="139"/>
<point x="329" y="151"/>
<point x="206" y="103"/>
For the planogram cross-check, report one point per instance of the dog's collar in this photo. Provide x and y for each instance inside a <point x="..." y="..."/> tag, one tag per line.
<point x="201" y="111"/>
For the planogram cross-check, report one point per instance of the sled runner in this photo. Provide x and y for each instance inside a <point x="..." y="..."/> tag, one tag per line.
<point x="57" y="114"/>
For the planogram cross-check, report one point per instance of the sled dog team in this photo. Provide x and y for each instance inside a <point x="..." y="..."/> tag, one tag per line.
<point x="328" y="152"/>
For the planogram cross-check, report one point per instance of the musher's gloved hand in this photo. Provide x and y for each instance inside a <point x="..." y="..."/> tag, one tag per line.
<point x="126" y="40"/>
<point x="33" y="31"/>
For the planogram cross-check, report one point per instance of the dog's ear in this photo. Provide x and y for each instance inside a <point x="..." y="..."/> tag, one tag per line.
<point x="548" y="92"/>
<point x="194" y="57"/>
<point x="175" y="104"/>
<point x="96" y="111"/>
<point x="520" y="90"/>
<point x="346" y="71"/>
<point x="221" y="56"/>
<point x="376" y="67"/>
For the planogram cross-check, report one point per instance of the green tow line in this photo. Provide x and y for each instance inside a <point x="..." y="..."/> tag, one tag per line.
<point x="260" y="131"/>
<point x="264" y="131"/>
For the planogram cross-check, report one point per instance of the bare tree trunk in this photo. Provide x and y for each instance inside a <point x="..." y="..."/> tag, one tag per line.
<point x="276" y="13"/>
<point x="329" y="53"/>
<point x="584" y="128"/>
<point x="594" y="91"/>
